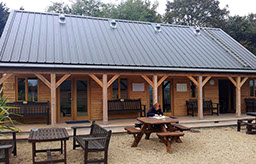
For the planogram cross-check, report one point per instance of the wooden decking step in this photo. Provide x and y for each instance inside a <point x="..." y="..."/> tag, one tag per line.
<point x="181" y="127"/>
<point x="170" y="134"/>
<point x="132" y="130"/>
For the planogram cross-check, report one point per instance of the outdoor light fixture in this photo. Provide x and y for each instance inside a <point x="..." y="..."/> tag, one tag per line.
<point x="158" y="28"/>
<point x="212" y="82"/>
<point x="62" y="19"/>
<point x="113" y="24"/>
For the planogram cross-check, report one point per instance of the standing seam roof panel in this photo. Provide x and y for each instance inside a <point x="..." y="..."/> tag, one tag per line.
<point x="233" y="46"/>
<point x="27" y="39"/>
<point x="153" y="46"/>
<point x="182" y="51"/>
<point x="20" y="36"/>
<point x="200" y="58"/>
<point x="155" y="38"/>
<point x="218" y="50"/>
<point x="135" y="47"/>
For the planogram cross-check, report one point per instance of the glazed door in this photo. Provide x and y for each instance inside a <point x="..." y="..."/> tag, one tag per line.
<point x="66" y="100"/>
<point x="81" y="99"/>
<point x="166" y="86"/>
<point x="73" y="100"/>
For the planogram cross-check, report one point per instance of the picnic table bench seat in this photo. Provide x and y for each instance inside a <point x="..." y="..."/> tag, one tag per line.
<point x="7" y="146"/>
<point x="126" y="106"/>
<point x="132" y="130"/>
<point x="170" y="134"/>
<point x="96" y="141"/>
<point x="181" y="127"/>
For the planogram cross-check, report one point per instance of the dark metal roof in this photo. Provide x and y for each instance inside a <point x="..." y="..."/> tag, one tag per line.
<point x="32" y="38"/>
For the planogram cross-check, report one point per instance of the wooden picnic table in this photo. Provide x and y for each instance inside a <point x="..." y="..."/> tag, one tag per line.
<point x="163" y="128"/>
<point x="48" y="135"/>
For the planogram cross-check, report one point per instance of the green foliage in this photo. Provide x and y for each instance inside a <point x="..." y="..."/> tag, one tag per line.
<point x="195" y="12"/>
<point x="243" y="29"/>
<point x="6" y="123"/>
<point x="139" y="10"/>
<point x="59" y="7"/>
<point x="4" y="13"/>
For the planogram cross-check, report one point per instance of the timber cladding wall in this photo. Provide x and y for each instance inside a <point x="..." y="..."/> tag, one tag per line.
<point x="96" y="98"/>
<point x="210" y="92"/>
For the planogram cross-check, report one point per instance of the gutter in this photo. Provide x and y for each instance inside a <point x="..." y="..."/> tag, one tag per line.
<point x="58" y="66"/>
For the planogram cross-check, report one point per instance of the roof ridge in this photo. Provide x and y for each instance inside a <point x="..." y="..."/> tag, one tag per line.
<point x="119" y="20"/>
<point x="230" y="51"/>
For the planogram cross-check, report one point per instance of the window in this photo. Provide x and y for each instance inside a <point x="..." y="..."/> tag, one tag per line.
<point x="166" y="86"/>
<point x="193" y="90"/>
<point x="27" y="89"/>
<point x="150" y="96"/>
<point x="120" y="89"/>
<point x="252" y="88"/>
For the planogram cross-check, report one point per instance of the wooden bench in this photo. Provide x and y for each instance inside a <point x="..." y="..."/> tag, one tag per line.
<point x="7" y="145"/>
<point x="250" y="104"/>
<point x="96" y="141"/>
<point x="242" y="122"/>
<point x="208" y="105"/>
<point x="126" y="106"/>
<point x="30" y="109"/>
<point x="181" y="127"/>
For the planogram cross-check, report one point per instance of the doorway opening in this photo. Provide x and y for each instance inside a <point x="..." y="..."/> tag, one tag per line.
<point x="227" y="97"/>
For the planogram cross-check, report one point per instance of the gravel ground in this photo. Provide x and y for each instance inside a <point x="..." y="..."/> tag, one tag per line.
<point x="212" y="145"/>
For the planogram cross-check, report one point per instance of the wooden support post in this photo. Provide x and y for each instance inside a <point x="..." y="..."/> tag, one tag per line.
<point x="200" y="97"/>
<point x="105" y="98"/>
<point x="238" y="97"/>
<point x="53" y="99"/>
<point x="155" y="99"/>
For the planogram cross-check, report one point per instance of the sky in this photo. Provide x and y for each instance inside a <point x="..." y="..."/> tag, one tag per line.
<point x="236" y="7"/>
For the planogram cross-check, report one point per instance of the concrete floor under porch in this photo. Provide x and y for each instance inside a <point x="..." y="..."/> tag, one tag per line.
<point x="117" y="125"/>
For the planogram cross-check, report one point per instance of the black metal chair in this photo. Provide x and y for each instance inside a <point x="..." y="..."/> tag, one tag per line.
<point x="96" y="141"/>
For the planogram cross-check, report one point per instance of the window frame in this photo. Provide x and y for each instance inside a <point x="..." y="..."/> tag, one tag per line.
<point x="254" y="95"/>
<point x="190" y="90"/>
<point x="26" y="88"/>
<point x="196" y="90"/>
<point x="119" y="89"/>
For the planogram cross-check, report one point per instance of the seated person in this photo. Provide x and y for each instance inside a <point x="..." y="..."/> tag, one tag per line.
<point x="155" y="111"/>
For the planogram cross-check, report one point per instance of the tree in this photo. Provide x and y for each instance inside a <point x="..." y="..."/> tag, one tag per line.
<point x="243" y="29"/>
<point x="4" y="13"/>
<point x="59" y="7"/>
<point x="139" y="10"/>
<point x="196" y="12"/>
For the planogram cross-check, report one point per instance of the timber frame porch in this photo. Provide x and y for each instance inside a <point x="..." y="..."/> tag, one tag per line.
<point x="152" y="78"/>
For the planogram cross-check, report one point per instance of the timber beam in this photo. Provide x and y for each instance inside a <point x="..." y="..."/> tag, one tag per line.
<point x="43" y="79"/>
<point x="62" y="80"/>
<point x="5" y="77"/>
